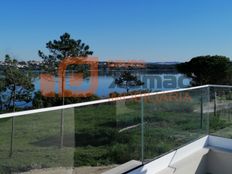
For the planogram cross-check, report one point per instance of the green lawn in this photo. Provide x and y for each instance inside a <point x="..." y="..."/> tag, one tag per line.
<point x="97" y="135"/>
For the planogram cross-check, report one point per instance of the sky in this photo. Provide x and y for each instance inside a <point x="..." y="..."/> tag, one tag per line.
<point x="149" y="30"/>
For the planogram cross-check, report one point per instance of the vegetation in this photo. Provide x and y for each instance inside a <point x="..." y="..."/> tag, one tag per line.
<point x="59" y="50"/>
<point x="41" y="101"/>
<point x="136" y="92"/>
<point x="63" y="48"/>
<point x="96" y="135"/>
<point x="207" y="70"/>
<point x="127" y="80"/>
<point x="2" y="88"/>
<point x="16" y="85"/>
<point x="101" y="134"/>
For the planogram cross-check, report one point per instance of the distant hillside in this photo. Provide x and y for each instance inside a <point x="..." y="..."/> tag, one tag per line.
<point x="156" y="67"/>
<point x="162" y="67"/>
<point x="164" y="63"/>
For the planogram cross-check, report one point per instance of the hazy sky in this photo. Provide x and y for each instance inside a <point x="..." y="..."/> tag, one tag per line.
<point x="151" y="30"/>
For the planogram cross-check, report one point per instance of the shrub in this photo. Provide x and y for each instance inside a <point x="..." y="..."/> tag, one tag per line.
<point x="119" y="153"/>
<point x="216" y="123"/>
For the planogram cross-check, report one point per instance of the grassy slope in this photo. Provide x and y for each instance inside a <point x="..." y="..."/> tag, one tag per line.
<point x="93" y="136"/>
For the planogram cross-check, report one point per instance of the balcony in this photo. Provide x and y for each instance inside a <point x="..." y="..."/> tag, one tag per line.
<point x="179" y="131"/>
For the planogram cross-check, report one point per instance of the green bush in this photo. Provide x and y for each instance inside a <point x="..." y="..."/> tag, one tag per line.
<point x="91" y="156"/>
<point x="120" y="153"/>
<point x="95" y="136"/>
<point x="216" y="123"/>
<point x="175" y="107"/>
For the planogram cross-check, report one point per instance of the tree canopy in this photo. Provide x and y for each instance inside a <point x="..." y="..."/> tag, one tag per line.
<point x="2" y="89"/>
<point x="16" y="85"/>
<point x="127" y="80"/>
<point x="59" y="50"/>
<point x="63" y="48"/>
<point x="207" y="70"/>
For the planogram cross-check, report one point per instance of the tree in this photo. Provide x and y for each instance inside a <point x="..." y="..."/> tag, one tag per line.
<point x="2" y="89"/>
<point x="127" y="80"/>
<point x="59" y="50"/>
<point x="17" y="87"/>
<point x="207" y="70"/>
<point x="17" y="84"/>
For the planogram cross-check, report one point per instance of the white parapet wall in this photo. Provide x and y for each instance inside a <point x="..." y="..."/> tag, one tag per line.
<point x="169" y="159"/>
<point x="209" y="154"/>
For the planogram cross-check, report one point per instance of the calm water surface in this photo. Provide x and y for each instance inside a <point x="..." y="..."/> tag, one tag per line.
<point x="152" y="81"/>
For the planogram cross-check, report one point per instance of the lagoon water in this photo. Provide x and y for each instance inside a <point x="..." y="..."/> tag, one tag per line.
<point x="105" y="83"/>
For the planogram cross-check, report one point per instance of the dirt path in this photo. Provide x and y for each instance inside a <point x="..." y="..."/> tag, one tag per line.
<point x="209" y="107"/>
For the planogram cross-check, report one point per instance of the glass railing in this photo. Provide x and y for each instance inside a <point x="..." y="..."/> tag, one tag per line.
<point x="94" y="137"/>
<point x="221" y="111"/>
<point x="173" y="119"/>
<point x="35" y="142"/>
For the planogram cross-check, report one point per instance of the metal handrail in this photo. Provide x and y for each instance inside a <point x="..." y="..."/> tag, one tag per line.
<point x="35" y="111"/>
